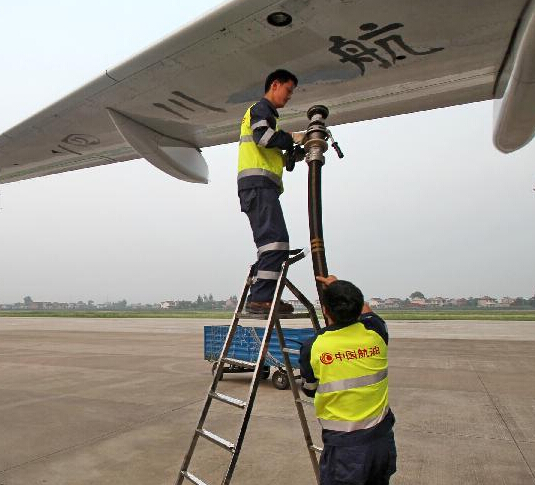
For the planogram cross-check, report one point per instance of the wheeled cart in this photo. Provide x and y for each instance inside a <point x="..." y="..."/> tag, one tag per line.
<point x="246" y="346"/>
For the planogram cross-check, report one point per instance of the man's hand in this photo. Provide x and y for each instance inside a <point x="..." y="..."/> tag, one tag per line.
<point x="328" y="280"/>
<point x="299" y="137"/>
<point x="366" y="308"/>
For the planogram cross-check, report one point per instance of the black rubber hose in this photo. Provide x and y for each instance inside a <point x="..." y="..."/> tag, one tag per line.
<point x="319" y="261"/>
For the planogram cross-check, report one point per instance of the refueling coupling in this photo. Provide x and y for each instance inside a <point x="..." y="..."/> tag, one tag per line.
<point x="316" y="140"/>
<point x="318" y="135"/>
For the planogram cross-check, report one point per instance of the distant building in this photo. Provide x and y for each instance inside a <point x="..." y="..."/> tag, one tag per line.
<point x="297" y="305"/>
<point x="230" y="304"/>
<point x="376" y="302"/>
<point x="418" y="301"/>
<point x="506" y="301"/>
<point x="168" y="304"/>
<point x="392" y="303"/>
<point x="138" y="306"/>
<point x="436" y="301"/>
<point x="487" y="302"/>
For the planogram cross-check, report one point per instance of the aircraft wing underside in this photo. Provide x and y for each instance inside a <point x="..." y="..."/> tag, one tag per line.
<point x="364" y="60"/>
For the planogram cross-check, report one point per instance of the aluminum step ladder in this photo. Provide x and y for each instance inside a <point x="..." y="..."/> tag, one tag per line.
<point x="273" y="321"/>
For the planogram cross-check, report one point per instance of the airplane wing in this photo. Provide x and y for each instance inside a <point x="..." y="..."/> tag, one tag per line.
<point x="363" y="59"/>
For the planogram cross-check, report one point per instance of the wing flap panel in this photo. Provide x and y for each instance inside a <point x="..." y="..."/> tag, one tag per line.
<point x="514" y="120"/>
<point x="174" y="157"/>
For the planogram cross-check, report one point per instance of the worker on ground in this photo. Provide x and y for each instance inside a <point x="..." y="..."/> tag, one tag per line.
<point x="260" y="167"/>
<point x="345" y="369"/>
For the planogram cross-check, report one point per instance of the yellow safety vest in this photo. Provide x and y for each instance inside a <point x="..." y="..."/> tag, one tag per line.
<point x="258" y="160"/>
<point x="351" y="365"/>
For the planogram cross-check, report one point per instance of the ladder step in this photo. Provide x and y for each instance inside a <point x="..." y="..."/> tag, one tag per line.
<point x="192" y="478"/>
<point x="291" y="351"/>
<point x="308" y="402"/>
<point x="227" y="445"/>
<point x="315" y="448"/>
<point x="240" y="363"/>
<point x="264" y="316"/>
<point x="229" y="400"/>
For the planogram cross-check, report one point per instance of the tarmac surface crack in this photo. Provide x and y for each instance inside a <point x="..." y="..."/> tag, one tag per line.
<point x="506" y="426"/>
<point x="96" y="439"/>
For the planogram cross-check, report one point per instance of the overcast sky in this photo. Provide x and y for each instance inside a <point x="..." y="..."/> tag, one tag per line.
<point x="420" y="202"/>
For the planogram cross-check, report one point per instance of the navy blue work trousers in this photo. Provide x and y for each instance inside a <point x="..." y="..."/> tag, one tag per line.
<point x="270" y="235"/>
<point x="366" y="464"/>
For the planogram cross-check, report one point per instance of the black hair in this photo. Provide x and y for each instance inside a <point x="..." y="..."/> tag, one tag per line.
<point x="344" y="302"/>
<point x="281" y="75"/>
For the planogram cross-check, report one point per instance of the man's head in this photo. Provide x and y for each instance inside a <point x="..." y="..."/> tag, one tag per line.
<point x="343" y="302"/>
<point x="279" y="87"/>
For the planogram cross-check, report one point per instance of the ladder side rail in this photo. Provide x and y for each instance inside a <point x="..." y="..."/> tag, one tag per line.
<point x="273" y="316"/>
<point x="232" y="329"/>
<point x="307" y="303"/>
<point x="297" y="399"/>
<point x="217" y="377"/>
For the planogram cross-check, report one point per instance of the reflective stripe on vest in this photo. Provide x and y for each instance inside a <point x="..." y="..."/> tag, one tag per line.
<point x="257" y="160"/>
<point x="351" y="364"/>
<point x="352" y="383"/>
<point x="348" y="426"/>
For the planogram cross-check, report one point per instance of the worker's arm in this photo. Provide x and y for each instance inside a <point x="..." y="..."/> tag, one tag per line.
<point x="263" y="124"/>
<point x="309" y="383"/>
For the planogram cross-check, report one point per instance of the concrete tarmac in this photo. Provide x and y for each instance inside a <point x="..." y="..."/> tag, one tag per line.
<point x="115" y="401"/>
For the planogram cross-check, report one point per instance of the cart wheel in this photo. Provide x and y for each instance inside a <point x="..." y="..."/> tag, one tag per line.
<point x="214" y="369"/>
<point x="265" y="372"/>
<point x="280" y="380"/>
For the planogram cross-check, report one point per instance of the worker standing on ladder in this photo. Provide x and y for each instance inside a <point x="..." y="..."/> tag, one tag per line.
<point x="260" y="167"/>
<point x="345" y="369"/>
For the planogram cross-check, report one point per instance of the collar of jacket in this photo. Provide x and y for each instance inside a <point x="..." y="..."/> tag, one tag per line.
<point x="270" y="104"/>
<point x="338" y="326"/>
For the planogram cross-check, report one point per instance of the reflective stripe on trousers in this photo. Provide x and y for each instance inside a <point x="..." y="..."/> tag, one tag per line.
<point x="267" y="275"/>
<point x="275" y="246"/>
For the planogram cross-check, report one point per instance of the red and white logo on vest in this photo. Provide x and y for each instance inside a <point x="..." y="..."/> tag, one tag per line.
<point x="326" y="358"/>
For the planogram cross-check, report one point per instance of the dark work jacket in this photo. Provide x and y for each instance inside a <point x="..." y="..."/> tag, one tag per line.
<point x="264" y="110"/>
